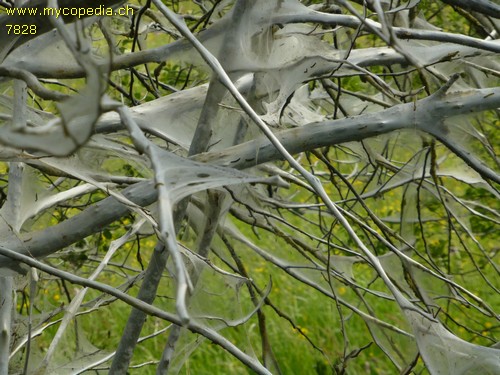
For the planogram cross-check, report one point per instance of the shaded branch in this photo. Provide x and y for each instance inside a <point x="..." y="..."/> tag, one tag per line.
<point x="482" y="6"/>
<point x="33" y="83"/>
<point x="423" y="115"/>
<point x="140" y="305"/>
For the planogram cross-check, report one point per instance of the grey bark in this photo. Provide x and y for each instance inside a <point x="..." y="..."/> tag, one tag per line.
<point x="138" y="304"/>
<point x="7" y="306"/>
<point x="135" y="322"/>
<point x="425" y="115"/>
<point x="482" y="6"/>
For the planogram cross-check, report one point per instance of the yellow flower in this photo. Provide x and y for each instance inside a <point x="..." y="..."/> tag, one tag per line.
<point x="301" y="331"/>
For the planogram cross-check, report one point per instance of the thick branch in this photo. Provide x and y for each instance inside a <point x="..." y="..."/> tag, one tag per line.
<point x="462" y="46"/>
<point x="90" y="221"/>
<point x="6" y="308"/>
<point x="424" y="115"/>
<point x="481" y="6"/>
<point x="32" y="83"/>
<point x="400" y="32"/>
<point x="137" y="317"/>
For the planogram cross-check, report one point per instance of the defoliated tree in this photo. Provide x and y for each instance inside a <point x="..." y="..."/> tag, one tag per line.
<point x="234" y="169"/>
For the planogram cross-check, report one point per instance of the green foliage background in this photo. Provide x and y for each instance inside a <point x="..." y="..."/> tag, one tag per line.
<point x="303" y="325"/>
